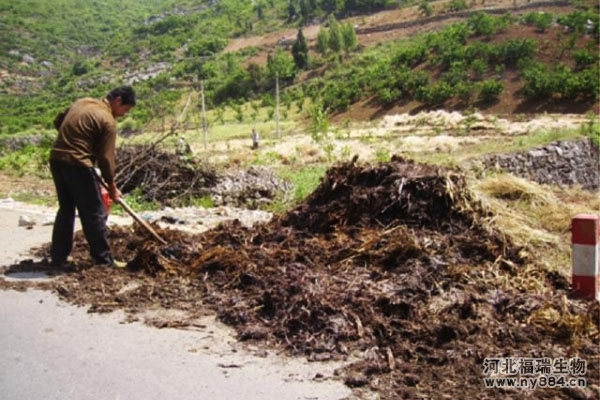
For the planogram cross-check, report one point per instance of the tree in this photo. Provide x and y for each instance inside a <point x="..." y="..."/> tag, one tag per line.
<point x="336" y="41"/>
<point x="291" y="10"/>
<point x="322" y="41"/>
<point x="349" y="37"/>
<point x="305" y="10"/>
<point x="259" y="8"/>
<point x="281" y="64"/>
<point x="300" y="51"/>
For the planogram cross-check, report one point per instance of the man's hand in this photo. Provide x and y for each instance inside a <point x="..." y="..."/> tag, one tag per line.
<point x="114" y="192"/>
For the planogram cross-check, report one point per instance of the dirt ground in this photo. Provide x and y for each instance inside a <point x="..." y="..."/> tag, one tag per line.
<point x="392" y="265"/>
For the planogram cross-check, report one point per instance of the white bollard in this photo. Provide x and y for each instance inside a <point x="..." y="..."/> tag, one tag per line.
<point x="585" y="231"/>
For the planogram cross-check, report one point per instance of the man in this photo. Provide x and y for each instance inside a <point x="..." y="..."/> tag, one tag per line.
<point x="87" y="137"/>
<point x="255" y="139"/>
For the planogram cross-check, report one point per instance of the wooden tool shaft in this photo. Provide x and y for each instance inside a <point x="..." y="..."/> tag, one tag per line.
<point x="136" y="217"/>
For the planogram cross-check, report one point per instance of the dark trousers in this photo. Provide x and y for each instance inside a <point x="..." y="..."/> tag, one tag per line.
<point x="78" y="188"/>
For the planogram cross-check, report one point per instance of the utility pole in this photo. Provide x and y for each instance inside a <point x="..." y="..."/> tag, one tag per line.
<point x="204" y="127"/>
<point x="277" y="106"/>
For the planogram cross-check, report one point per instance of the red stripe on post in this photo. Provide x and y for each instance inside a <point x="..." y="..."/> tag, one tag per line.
<point x="585" y="229"/>
<point x="586" y="286"/>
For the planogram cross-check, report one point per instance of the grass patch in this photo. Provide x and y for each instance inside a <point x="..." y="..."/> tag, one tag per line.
<point x="537" y="217"/>
<point x="304" y="180"/>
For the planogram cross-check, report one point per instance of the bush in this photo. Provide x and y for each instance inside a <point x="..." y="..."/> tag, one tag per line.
<point x="541" y="20"/>
<point x="434" y="95"/>
<point x="387" y="96"/>
<point x="482" y="24"/>
<point x="538" y="81"/>
<point x="490" y="91"/>
<point x="411" y="55"/>
<point x="337" y="96"/>
<point x="457" y="73"/>
<point x="458" y="5"/>
<point x="514" y="50"/>
<point x="464" y="91"/>
<point x="425" y="8"/>
<point x="577" y="21"/>
<point x="479" y="67"/>
<point x="584" y="58"/>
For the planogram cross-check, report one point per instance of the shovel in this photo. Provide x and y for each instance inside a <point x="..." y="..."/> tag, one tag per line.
<point x="136" y="217"/>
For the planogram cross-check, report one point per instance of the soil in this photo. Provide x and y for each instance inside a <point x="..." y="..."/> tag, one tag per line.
<point x="394" y="265"/>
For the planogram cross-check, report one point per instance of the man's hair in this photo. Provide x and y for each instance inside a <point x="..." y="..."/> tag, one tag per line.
<point x="126" y="93"/>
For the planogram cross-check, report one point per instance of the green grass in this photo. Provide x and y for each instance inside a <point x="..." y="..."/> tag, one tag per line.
<point x="304" y="179"/>
<point x="497" y="144"/>
<point x="541" y="138"/>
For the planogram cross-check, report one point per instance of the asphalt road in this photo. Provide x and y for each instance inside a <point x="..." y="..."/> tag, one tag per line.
<point x="52" y="350"/>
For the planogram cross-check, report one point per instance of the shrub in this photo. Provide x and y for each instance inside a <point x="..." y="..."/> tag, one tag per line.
<point x="479" y="67"/>
<point x="387" y="96"/>
<point x="425" y="8"/>
<point x="457" y="73"/>
<point x="435" y="94"/>
<point x="411" y="55"/>
<point x="577" y="21"/>
<point x="515" y="50"/>
<point x="538" y="81"/>
<point x="458" y="5"/>
<point x="541" y="20"/>
<point x="482" y="24"/>
<point x="584" y="58"/>
<point x="490" y="91"/>
<point x="464" y="91"/>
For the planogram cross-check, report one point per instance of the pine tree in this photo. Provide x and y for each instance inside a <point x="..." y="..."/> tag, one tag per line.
<point x="300" y="51"/>
<point x="349" y="37"/>
<point x="291" y="10"/>
<point x="305" y="10"/>
<point x="322" y="41"/>
<point x="336" y="41"/>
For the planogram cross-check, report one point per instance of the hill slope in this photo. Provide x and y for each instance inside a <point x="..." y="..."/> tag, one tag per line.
<point x="164" y="47"/>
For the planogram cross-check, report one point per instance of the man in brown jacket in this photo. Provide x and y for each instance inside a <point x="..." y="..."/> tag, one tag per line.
<point x="87" y="137"/>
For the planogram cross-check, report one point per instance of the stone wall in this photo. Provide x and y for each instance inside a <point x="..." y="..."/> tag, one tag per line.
<point x="565" y="163"/>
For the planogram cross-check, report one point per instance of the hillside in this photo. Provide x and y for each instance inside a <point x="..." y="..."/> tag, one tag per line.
<point x="164" y="48"/>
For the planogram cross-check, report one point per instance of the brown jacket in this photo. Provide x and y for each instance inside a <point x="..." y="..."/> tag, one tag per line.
<point x="87" y="137"/>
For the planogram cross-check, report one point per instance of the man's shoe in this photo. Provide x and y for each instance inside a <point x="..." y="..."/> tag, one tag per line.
<point x="113" y="264"/>
<point x="118" y="264"/>
<point x="58" y="264"/>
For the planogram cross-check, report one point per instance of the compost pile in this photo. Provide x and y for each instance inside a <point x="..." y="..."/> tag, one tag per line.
<point x="174" y="179"/>
<point x="394" y="267"/>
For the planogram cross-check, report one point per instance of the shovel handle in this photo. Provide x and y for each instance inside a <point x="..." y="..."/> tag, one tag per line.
<point x="126" y="207"/>
<point x="136" y="217"/>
